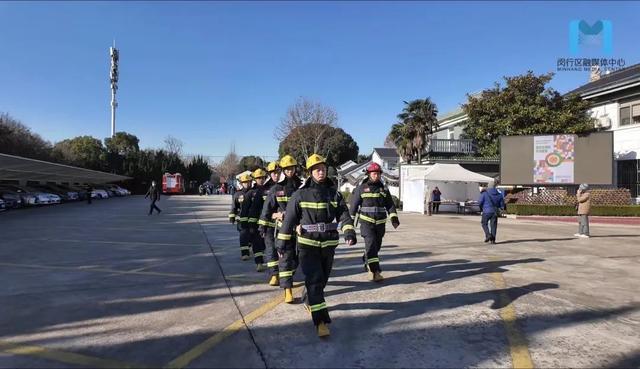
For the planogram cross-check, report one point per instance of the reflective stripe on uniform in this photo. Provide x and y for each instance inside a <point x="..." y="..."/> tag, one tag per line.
<point x="286" y="273"/>
<point x="391" y="215"/>
<point x="373" y="260"/>
<point x="284" y="236"/>
<point x="371" y="220"/>
<point x="318" y="307"/>
<point x="232" y="215"/>
<point x="313" y="205"/>
<point x="282" y="199"/>
<point x="265" y="223"/>
<point x="309" y="242"/>
<point x="272" y="264"/>
<point x="245" y="247"/>
<point x="243" y="219"/>
<point x="347" y="227"/>
<point x="370" y="195"/>
<point x="334" y="204"/>
<point x="256" y="254"/>
<point x="264" y="198"/>
<point x="253" y="220"/>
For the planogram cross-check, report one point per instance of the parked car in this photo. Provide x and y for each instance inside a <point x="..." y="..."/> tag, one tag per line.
<point x="66" y="195"/>
<point x="119" y="191"/>
<point x="28" y="198"/>
<point x="82" y="192"/>
<point x="2" y="205"/>
<point x="44" y="197"/>
<point x="12" y="200"/>
<point x="100" y="193"/>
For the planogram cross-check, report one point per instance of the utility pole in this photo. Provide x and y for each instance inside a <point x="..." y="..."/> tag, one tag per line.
<point x="115" y="56"/>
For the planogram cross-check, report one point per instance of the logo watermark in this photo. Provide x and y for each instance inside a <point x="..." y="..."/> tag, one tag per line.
<point x="596" y="37"/>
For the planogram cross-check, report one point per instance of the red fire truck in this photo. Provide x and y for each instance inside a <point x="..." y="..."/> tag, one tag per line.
<point x="172" y="183"/>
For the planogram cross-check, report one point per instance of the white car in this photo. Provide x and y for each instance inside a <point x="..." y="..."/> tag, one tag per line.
<point x="100" y="194"/>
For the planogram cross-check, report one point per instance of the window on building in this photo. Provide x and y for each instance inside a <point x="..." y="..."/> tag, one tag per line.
<point x="630" y="113"/>
<point x="451" y="134"/>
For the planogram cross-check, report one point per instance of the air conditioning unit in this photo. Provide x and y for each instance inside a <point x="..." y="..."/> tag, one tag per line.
<point x="603" y="122"/>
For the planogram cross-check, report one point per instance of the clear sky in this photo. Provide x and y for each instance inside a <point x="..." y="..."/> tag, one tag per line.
<point x="213" y="73"/>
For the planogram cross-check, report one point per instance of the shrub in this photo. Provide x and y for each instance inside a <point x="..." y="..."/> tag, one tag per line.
<point x="568" y="210"/>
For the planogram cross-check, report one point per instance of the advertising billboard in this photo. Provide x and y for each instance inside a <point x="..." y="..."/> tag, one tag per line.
<point x="560" y="159"/>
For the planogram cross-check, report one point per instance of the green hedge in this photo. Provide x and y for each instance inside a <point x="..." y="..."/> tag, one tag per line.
<point x="568" y="210"/>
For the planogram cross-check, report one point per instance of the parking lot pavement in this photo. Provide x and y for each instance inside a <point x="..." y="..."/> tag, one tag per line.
<point x="108" y="286"/>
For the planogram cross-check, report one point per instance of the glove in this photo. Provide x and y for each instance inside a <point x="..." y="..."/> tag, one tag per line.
<point x="395" y="222"/>
<point x="351" y="240"/>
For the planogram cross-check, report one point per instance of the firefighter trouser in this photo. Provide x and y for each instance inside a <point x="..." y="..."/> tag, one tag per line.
<point x="287" y="266"/>
<point x="316" y="264"/>
<point x="245" y="241"/>
<point x="272" y="253"/>
<point x="372" y="234"/>
<point x="257" y="244"/>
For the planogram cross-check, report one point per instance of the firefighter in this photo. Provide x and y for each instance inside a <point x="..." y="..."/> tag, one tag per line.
<point x="314" y="213"/>
<point x="250" y="210"/>
<point x="267" y="225"/>
<point x="234" y="215"/>
<point x="372" y="201"/>
<point x="275" y="209"/>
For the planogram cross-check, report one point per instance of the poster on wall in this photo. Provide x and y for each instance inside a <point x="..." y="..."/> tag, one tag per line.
<point x="554" y="158"/>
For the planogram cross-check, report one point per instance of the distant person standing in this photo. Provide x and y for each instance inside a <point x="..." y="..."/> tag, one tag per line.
<point x="584" y="208"/>
<point x="435" y="200"/>
<point x="154" y="194"/>
<point x="89" y="190"/>
<point x="490" y="202"/>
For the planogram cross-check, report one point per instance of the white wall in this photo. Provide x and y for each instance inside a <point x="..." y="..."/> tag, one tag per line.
<point x="626" y="140"/>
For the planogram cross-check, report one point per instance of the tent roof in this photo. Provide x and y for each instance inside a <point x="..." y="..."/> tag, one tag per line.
<point x="19" y="168"/>
<point x="454" y="173"/>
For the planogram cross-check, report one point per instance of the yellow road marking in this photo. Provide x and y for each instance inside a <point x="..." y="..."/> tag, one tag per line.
<point x="103" y="270"/>
<point x="520" y="357"/>
<point x="167" y="262"/>
<point x="64" y="356"/>
<point x="189" y="356"/>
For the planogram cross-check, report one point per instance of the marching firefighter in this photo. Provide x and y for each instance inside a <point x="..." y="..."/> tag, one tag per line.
<point x="267" y="225"/>
<point x="372" y="201"/>
<point x="274" y="210"/>
<point x="314" y="214"/>
<point x="250" y="212"/>
<point x="234" y="215"/>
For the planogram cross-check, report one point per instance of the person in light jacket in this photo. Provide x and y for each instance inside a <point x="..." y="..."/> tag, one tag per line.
<point x="584" y="208"/>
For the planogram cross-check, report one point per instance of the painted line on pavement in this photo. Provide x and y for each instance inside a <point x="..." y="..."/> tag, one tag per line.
<point x="520" y="356"/>
<point x="64" y="356"/>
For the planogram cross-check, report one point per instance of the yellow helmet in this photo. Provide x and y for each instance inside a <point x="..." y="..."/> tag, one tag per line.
<point x="259" y="173"/>
<point x="245" y="178"/>
<point x="272" y="167"/>
<point x="288" y="161"/>
<point x="315" y="159"/>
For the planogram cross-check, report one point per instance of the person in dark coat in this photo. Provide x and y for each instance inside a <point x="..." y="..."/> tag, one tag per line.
<point x="89" y="190"/>
<point x="435" y="200"/>
<point x="491" y="202"/>
<point x="154" y="194"/>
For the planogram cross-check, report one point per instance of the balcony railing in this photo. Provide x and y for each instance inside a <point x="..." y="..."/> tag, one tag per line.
<point x="462" y="146"/>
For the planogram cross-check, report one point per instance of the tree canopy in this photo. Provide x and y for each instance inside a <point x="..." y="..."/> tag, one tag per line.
<point x="334" y="144"/>
<point x="524" y="106"/>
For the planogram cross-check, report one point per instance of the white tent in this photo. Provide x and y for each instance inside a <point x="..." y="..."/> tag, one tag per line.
<point x="456" y="184"/>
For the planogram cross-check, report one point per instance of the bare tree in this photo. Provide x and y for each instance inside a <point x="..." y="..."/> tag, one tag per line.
<point x="173" y="145"/>
<point x="229" y="166"/>
<point x="314" y="117"/>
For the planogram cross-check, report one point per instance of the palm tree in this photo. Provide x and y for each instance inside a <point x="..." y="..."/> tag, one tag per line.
<point x="420" y="116"/>
<point x="401" y="139"/>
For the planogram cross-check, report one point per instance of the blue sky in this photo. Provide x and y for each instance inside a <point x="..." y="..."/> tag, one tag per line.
<point x="217" y="73"/>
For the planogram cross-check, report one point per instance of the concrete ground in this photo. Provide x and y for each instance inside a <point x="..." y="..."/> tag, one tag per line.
<point x="106" y="285"/>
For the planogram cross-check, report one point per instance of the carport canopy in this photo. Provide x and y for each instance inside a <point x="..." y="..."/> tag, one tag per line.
<point x="19" y="168"/>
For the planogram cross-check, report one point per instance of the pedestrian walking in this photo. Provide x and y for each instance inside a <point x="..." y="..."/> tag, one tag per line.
<point x="584" y="209"/>
<point x="154" y="195"/>
<point x="275" y="210"/>
<point x="435" y="200"/>
<point x="315" y="213"/>
<point x="234" y="216"/>
<point x="371" y="201"/>
<point x="491" y="203"/>
<point x="89" y="190"/>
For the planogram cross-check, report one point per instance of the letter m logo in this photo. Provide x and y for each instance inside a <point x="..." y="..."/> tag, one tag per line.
<point x="599" y="33"/>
